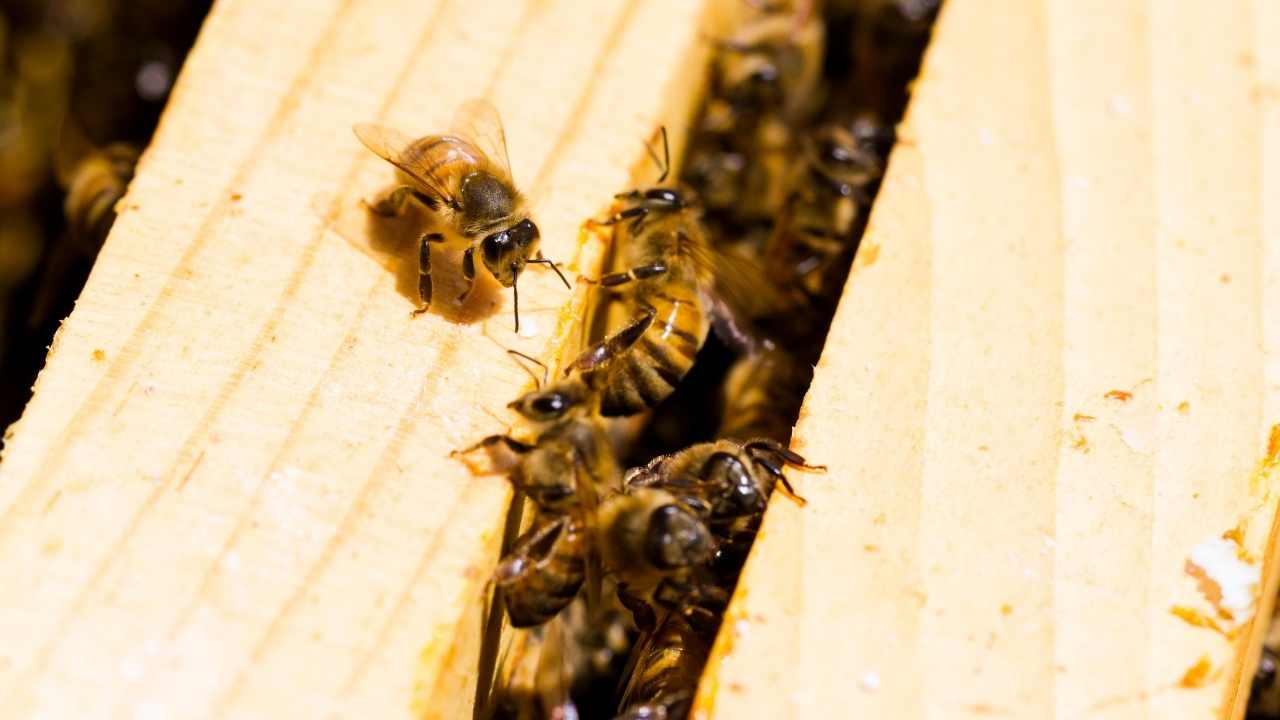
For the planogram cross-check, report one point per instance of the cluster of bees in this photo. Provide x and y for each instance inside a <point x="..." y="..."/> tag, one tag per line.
<point x="82" y="83"/>
<point x="619" y="582"/>
<point x="622" y="576"/>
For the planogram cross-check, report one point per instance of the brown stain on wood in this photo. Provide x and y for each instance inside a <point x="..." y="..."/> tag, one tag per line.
<point x="1197" y="675"/>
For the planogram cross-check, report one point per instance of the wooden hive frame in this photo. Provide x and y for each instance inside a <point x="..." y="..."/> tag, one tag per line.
<point x="230" y="496"/>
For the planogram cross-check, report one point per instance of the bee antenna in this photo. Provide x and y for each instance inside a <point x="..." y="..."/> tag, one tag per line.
<point x="515" y="298"/>
<point x="538" y="382"/>
<point x="665" y="164"/>
<point x="546" y="261"/>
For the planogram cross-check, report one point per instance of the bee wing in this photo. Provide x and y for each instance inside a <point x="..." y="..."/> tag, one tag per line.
<point x="478" y="123"/>
<point x="743" y="284"/>
<point x="400" y="150"/>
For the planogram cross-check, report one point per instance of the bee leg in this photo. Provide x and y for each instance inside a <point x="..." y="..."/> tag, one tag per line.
<point x="503" y="461"/>
<point x="489" y="442"/>
<point x="637" y="212"/>
<point x="773" y="446"/>
<point x="389" y="203"/>
<point x="765" y="454"/>
<point x="639" y="272"/>
<point x="468" y="272"/>
<point x="614" y="345"/>
<point x="424" y="271"/>
<point x="641" y="611"/>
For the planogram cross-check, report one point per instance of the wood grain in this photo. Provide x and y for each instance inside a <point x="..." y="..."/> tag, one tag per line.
<point x="1053" y="374"/>
<point x="231" y="494"/>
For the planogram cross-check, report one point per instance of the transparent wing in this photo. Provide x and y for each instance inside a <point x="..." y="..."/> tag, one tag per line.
<point x="477" y="122"/>
<point x="406" y="154"/>
<point x="742" y="283"/>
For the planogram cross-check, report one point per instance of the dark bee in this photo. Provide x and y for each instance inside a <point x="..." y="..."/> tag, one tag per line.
<point x="95" y="180"/>
<point x="464" y="177"/>
<point x="830" y="193"/>
<point x="94" y="186"/>
<point x="725" y="480"/>
<point x="761" y="394"/>
<point x="773" y="64"/>
<point x="889" y="38"/>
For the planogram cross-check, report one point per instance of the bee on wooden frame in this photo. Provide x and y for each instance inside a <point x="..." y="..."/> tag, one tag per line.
<point x="676" y="288"/>
<point x="464" y="178"/>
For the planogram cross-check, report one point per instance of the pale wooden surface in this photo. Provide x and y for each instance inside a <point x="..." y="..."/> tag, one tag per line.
<point x="231" y="494"/>
<point x="1085" y="202"/>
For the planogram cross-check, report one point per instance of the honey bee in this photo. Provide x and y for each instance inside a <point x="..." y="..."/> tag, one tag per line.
<point x="761" y="395"/>
<point x="664" y="678"/>
<point x="571" y="461"/>
<point x="677" y="287"/>
<point x="94" y="185"/>
<point x="464" y="178"/>
<point x="830" y="194"/>
<point x="95" y="179"/>
<point x="773" y="63"/>
<point x="889" y="39"/>
<point x="738" y="167"/>
<point x="724" y="480"/>
<point x="647" y="534"/>
<point x="544" y="570"/>
<point x="641" y="537"/>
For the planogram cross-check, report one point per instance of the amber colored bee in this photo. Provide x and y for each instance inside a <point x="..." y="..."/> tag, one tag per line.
<point x="668" y="664"/>
<point x="464" y="178"/>
<point x="570" y="463"/>
<point x="761" y="395"/>
<point x="544" y="570"/>
<point x="676" y="287"/>
<point x="830" y="194"/>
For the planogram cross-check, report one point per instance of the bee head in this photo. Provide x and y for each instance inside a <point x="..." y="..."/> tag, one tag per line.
<point x="676" y="538"/>
<point x="505" y="252"/>
<point x="551" y="403"/>
<point x="754" y="83"/>
<point x="737" y="492"/>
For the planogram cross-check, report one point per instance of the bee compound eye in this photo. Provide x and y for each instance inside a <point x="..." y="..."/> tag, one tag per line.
<point x="676" y="538"/>
<point x="525" y="233"/>
<point x="494" y="246"/>
<point x="551" y="404"/>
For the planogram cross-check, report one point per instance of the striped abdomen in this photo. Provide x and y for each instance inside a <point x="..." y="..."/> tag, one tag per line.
<point x="543" y="572"/>
<point x="648" y="372"/>
<point x="667" y="670"/>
